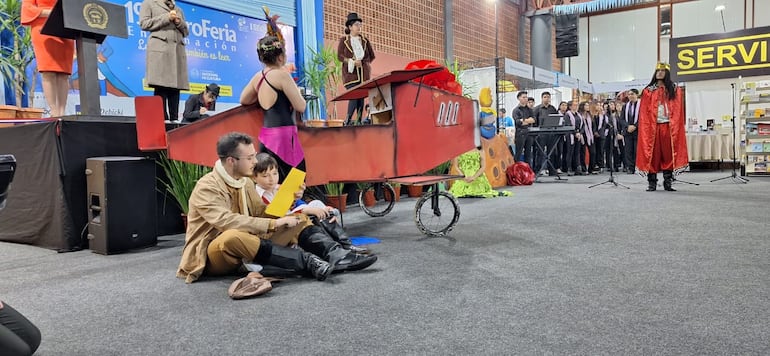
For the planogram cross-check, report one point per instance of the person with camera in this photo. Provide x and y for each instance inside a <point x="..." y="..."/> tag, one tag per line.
<point x="18" y="336"/>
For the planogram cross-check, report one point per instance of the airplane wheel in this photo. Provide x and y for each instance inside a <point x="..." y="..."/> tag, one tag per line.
<point x="439" y="216"/>
<point x="381" y="205"/>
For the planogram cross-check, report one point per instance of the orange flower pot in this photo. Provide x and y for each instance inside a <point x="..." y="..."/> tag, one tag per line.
<point x="337" y="201"/>
<point x="414" y="191"/>
<point x="397" y="190"/>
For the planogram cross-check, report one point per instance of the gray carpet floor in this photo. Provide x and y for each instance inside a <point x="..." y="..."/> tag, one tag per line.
<point x="556" y="269"/>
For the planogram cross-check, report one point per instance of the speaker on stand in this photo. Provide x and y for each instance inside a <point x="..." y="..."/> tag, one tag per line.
<point x="121" y="204"/>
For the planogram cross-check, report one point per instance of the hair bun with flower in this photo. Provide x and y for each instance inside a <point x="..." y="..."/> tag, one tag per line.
<point x="271" y="47"/>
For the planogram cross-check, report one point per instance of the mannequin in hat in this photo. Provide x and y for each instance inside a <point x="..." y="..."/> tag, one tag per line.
<point x="662" y="145"/>
<point x="197" y="105"/>
<point x="356" y="54"/>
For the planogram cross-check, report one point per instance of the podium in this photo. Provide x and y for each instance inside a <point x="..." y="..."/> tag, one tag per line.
<point x="88" y="22"/>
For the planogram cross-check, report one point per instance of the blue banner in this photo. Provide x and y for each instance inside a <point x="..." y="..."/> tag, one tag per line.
<point x="221" y="48"/>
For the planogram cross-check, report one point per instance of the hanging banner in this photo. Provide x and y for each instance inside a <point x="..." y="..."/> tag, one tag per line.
<point x="221" y="48"/>
<point x="720" y="55"/>
<point x="567" y="81"/>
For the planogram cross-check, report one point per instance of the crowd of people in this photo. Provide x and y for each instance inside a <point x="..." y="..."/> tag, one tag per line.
<point x="606" y="134"/>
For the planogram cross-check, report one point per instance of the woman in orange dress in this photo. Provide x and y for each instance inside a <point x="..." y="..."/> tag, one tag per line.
<point x="54" y="54"/>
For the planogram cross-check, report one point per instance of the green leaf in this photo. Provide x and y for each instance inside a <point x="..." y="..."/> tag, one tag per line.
<point x="182" y="177"/>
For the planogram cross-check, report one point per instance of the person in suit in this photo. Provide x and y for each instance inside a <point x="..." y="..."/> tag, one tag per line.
<point x="541" y="112"/>
<point x="629" y="118"/>
<point x="588" y="148"/>
<point x="574" y="141"/>
<point x="166" y="57"/>
<point x="602" y="132"/>
<point x="523" y="118"/>
<point x="613" y="140"/>
<point x="355" y="52"/>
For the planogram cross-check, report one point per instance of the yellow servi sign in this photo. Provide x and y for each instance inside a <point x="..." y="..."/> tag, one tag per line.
<point x="721" y="55"/>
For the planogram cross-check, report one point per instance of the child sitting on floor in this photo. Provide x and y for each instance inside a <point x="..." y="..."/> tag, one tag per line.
<point x="266" y="180"/>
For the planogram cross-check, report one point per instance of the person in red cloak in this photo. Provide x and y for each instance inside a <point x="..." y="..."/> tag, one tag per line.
<point x="662" y="144"/>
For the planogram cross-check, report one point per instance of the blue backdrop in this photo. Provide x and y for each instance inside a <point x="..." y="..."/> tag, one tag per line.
<point x="221" y="49"/>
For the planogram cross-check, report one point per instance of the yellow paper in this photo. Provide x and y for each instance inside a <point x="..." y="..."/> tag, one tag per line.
<point x="284" y="198"/>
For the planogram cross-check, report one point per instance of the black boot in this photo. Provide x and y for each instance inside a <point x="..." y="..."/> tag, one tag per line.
<point x="652" y="182"/>
<point x="668" y="180"/>
<point x="293" y="259"/>
<point x="338" y="234"/>
<point x="315" y="240"/>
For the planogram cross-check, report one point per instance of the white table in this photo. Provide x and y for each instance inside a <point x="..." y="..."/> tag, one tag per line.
<point x="709" y="147"/>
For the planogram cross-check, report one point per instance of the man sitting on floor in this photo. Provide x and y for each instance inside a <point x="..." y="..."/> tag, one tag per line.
<point x="227" y="225"/>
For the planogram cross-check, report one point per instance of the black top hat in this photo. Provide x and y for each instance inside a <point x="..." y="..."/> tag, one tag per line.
<point x="352" y="17"/>
<point x="213" y="88"/>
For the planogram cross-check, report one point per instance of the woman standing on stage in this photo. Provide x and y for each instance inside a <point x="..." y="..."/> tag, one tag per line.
<point x="356" y="54"/>
<point x="166" y="56"/>
<point x="54" y="55"/>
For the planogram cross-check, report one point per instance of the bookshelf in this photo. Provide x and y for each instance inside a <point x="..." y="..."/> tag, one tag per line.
<point x="755" y="133"/>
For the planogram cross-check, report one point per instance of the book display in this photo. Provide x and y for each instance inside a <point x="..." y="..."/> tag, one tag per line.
<point x="755" y="136"/>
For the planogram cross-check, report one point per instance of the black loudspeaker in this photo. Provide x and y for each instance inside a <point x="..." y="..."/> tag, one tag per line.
<point x="121" y="204"/>
<point x="567" y="36"/>
<point x="7" y="170"/>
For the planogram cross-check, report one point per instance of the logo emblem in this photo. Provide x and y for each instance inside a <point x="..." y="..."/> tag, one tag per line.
<point x="95" y="16"/>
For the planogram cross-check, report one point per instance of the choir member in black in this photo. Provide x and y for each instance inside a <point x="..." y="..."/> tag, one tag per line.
<point x="523" y="118"/>
<point x="574" y="141"/>
<point x="559" y="153"/>
<point x="628" y="118"/>
<point x="541" y="112"/>
<point x="613" y="143"/>
<point x="603" y="131"/>
<point x="589" y="148"/>
<point x="621" y="140"/>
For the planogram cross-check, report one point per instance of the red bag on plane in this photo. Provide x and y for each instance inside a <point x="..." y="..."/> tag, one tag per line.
<point x="520" y="173"/>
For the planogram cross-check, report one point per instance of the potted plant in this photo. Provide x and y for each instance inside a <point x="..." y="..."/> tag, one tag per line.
<point x="180" y="181"/>
<point x="368" y="192"/>
<point x="16" y="58"/>
<point x="396" y="191"/>
<point x="335" y="195"/>
<point x="322" y="76"/>
<point x="414" y="191"/>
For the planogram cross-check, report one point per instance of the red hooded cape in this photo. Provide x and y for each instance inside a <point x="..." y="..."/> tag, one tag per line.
<point x="647" y="126"/>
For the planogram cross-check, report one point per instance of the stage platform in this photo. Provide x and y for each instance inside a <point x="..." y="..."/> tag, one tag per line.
<point x="47" y="204"/>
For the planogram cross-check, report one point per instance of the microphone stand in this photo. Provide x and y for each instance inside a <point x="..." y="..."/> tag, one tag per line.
<point x="734" y="176"/>
<point x="611" y="179"/>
